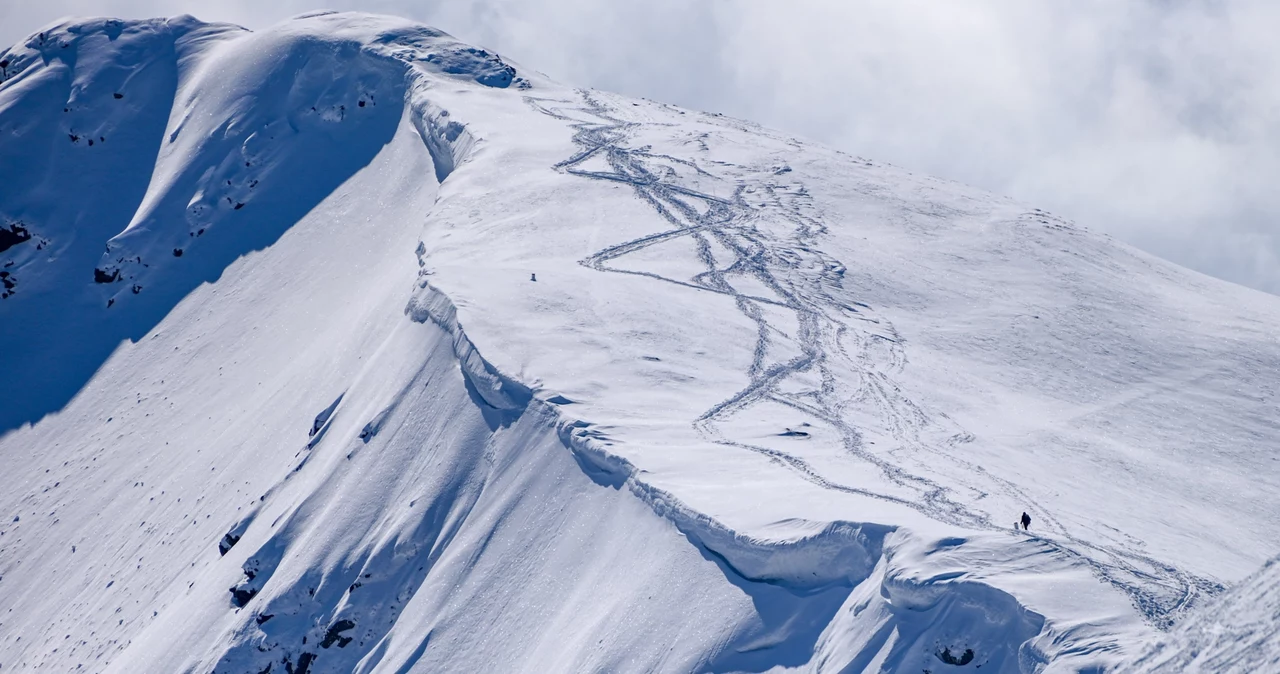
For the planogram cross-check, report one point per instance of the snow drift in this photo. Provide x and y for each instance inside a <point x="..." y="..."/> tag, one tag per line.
<point x="345" y="346"/>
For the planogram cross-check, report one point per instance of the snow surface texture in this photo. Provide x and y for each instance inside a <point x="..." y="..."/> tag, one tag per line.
<point x="1238" y="632"/>
<point x="344" y="346"/>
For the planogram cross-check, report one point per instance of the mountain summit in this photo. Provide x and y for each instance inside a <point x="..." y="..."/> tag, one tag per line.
<point x="344" y="346"/>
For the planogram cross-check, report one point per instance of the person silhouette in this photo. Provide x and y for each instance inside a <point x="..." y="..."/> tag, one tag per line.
<point x="1026" y="521"/>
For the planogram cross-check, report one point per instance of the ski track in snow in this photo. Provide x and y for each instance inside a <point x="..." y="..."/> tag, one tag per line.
<point x="831" y="333"/>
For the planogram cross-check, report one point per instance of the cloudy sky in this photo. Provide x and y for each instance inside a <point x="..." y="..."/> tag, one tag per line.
<point x="1157" y="121"/>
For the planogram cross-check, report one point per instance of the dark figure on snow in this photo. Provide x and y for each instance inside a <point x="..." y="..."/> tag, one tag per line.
<point x="1026" y="521"/>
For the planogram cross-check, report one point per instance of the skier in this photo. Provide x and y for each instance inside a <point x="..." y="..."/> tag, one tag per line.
<point x="1026" y="521"/>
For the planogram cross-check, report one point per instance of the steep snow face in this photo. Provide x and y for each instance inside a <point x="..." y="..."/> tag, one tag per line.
<point x="344" y="346"/>
<point x="1238" y="632"/>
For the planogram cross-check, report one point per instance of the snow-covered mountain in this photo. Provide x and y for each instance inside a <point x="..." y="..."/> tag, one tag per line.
<point x="344" y="346"/>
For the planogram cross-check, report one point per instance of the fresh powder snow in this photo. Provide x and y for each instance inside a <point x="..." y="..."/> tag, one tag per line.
<point x="343" y="346"/>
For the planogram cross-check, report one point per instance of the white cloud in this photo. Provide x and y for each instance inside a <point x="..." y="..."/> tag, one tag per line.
<point x="1155" y="120"/>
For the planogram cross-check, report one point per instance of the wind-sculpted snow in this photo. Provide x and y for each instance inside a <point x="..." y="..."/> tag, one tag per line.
<point x="1238" y="632"/>
<point x="493" y="388"/>
<point x="349" y="347"/>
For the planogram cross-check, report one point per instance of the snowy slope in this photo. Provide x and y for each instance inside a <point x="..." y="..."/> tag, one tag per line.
<point x="344" y="346"/>
<point x="1238" y="632"/>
